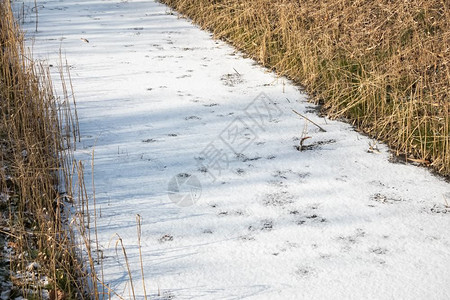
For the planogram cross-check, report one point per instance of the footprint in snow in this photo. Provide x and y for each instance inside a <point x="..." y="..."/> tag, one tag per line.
<point x="304" y="272"/>
<point x="232" y="213"/>
<point x="378" y="250"/>
<point x="240" y="171"/>
<point x="165" y="238"/>
<point x="184" y="76"/>
<point x="289" y="174"/>
<point x="266" y="225"/>
<point x="231" y="79"/>
<point x="192" y="118"/>
<point x="149" y="141"/>
<point x="244" y="158"/>
<point x="280" y="198"/>
<point x="312" y="146"/>
<point x="352" y="239"/>
<point x="308" y="218"/>
<point x="440" y="209"/>
<point x="247" y="238"/>
<point x="167" y="295"/>
<point x="203" y="169"/>
<point x="316" y="218"/>
<point x="210" y="105"/>
<point x="277" y="183"/>
<point x="378" y="197"/>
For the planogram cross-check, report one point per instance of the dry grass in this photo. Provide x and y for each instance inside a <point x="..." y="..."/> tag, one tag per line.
<point x="36" y="135"/>
<point x="382" y="64"/>
<point x="48" y="224"/>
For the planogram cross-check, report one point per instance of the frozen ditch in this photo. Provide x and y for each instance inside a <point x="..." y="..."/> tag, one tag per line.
<point x="164" y="106"/>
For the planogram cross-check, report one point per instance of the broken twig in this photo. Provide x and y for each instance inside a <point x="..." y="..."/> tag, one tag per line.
<point x="318" y="126"/>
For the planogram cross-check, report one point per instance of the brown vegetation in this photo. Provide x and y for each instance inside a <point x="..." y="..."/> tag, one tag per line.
<point x="46" y="218"/>
<point x="382" y="64"/>
<point x="36" y="132"/>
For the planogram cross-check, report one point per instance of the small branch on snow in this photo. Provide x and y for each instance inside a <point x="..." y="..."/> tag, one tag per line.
<point x="318" y="126"/>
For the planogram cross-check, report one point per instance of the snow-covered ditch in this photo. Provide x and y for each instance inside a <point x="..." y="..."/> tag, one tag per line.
<point x="203" y="144"/>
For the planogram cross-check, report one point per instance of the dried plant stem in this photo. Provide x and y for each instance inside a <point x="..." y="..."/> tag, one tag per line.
<point x="312" y="122"/>
<point x="119" y="240"/>
<point x="138" y="221"/>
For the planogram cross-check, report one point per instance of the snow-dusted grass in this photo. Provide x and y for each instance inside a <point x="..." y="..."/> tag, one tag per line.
<point x="37" y="256"/>
<point x="155" y="94"/>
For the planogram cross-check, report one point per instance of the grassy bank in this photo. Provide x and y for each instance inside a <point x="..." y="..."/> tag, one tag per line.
<point x="384" y="65"/>
<point x="36" y="132"/>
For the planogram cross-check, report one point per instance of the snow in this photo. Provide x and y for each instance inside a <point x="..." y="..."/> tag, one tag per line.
<point x="158" y="97"/>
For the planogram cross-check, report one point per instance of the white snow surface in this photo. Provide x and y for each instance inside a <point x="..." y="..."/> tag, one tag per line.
<point x="157" y="96"/>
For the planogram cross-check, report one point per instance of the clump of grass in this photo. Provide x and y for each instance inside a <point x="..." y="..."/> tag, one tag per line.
<point x="37" y="131"/>
<point x="384" y="65"/>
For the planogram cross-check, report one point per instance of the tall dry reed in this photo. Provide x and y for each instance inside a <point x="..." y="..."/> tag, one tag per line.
<point x="37" y="131"/>
<point x="48" y="224"/>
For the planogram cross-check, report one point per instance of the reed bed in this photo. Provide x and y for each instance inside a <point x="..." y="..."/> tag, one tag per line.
<point x="382" y="65"/>
<point x="37" y="134"/>
<point x="48" y="219"/>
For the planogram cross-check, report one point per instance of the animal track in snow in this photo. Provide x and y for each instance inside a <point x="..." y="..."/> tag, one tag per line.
<point x="280" y="198"/>
<point x="382" y="198"/>
<point x="231" y="79"/>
